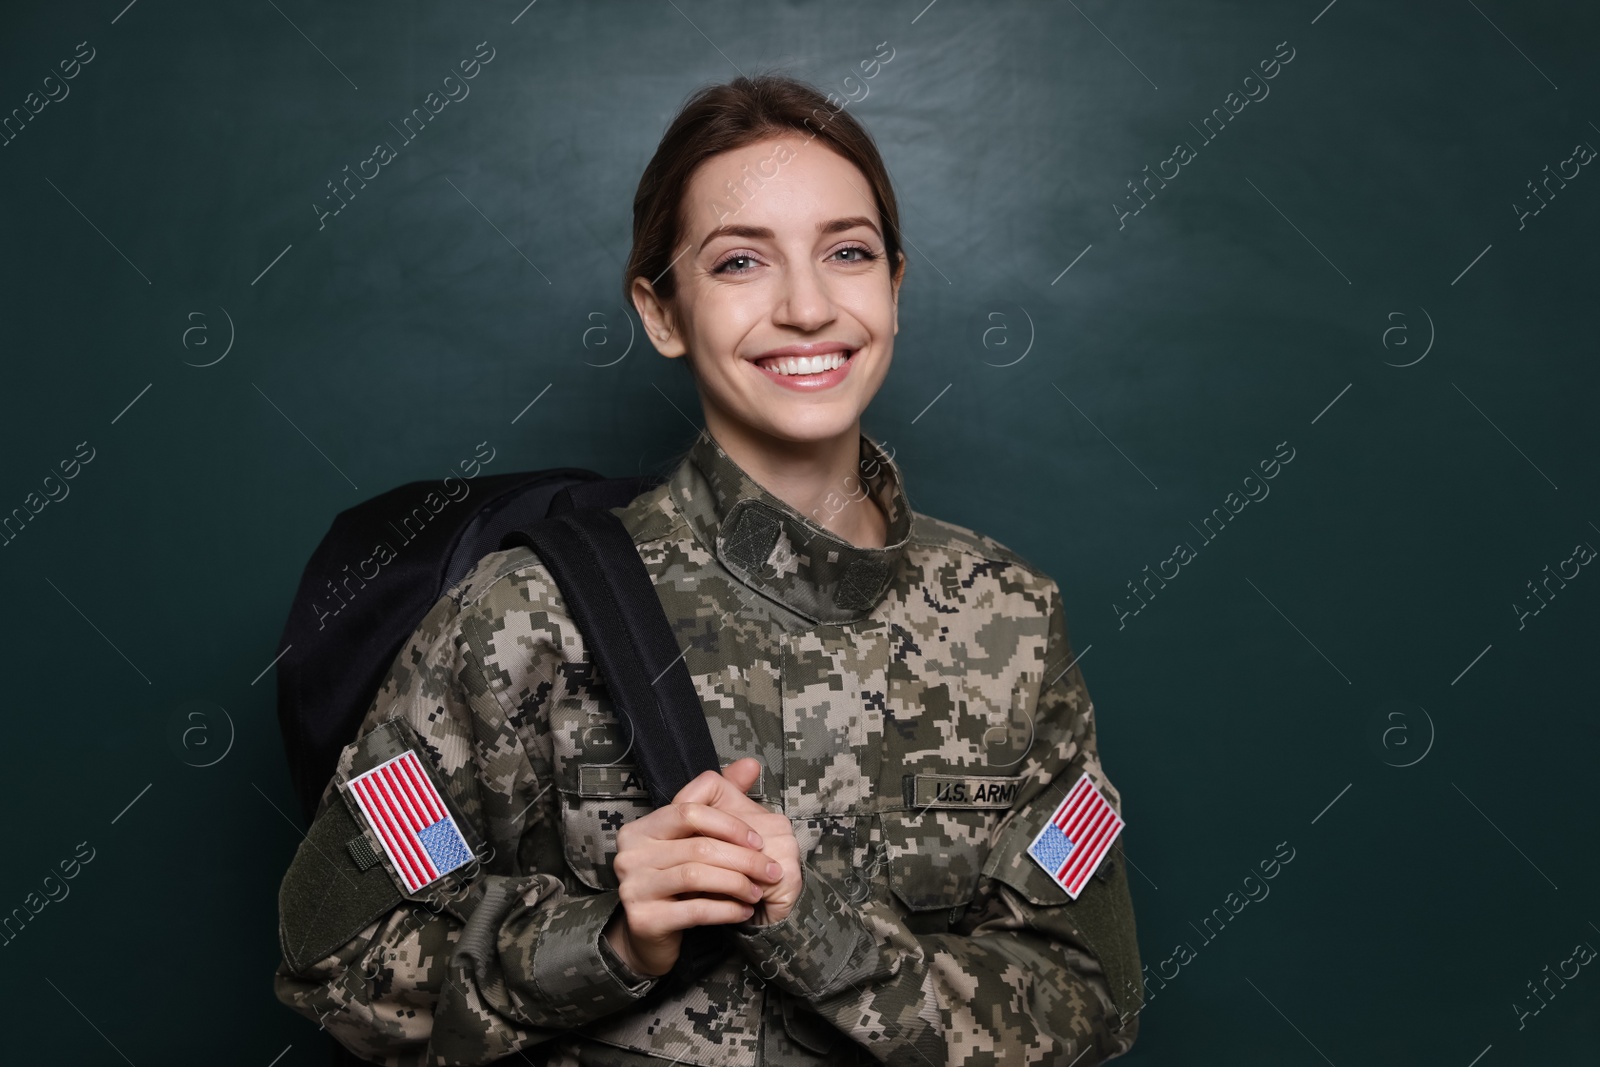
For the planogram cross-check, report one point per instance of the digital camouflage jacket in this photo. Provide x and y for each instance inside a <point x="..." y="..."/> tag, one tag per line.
<point x="919" y="716"/>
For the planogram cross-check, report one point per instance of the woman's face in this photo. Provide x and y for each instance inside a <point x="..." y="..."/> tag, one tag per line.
<point x="794" y="264"/>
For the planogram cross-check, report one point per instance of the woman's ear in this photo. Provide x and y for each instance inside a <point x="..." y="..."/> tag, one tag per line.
<point x="657" y="318"/>
<point x="894" y="286"/>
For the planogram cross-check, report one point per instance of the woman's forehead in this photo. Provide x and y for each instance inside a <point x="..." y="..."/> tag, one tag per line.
<point x="779" y="185"/>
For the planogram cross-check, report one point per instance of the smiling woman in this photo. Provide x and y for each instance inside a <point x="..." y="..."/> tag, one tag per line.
<point x="897" y="707"/>
<point x="797" y="290"/>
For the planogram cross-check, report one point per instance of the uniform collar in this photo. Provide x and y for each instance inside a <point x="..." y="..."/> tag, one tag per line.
<point x="787" y="556"/>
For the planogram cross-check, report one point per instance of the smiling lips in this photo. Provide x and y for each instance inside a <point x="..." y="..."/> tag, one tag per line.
<point x="807" y="366"/>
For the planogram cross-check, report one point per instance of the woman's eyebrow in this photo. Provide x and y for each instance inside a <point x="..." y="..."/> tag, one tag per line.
<point x="734" y="229"/>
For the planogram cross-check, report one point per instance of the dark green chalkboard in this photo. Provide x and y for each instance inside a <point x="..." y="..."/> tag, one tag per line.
<point x="1344" y="274"/>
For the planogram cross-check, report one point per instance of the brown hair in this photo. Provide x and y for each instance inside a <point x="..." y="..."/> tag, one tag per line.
<point x="719" y="118"/>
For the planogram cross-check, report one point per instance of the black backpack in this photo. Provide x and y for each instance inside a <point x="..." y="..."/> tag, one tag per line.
<point x="345" y="629"/>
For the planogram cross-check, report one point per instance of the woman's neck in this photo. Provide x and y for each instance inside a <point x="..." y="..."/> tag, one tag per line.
<point x="822" y="480"/>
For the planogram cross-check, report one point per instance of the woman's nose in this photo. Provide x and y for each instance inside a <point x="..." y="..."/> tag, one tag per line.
<point x="804" y="302"/>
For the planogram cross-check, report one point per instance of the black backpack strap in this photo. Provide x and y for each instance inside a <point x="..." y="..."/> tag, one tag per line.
<point x="613" y="600"/>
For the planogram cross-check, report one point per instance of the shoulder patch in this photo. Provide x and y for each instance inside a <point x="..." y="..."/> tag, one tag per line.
<point x="408" y="816"/>
<point x="1077" y="837"/>
<point x="394" y="793"/>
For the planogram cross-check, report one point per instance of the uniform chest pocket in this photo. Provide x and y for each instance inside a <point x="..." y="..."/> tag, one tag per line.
<point x="607" y="795"/>
<point x="935" y="850"/>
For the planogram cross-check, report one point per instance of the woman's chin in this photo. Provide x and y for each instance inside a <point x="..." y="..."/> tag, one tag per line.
<point x="815" y="424"/>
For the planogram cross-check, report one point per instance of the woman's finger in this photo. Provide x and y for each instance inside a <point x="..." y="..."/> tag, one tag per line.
<point x="650" y="886"/>
<point x="687" y="819"/>
<point x="751" y="863"/>
<point x="743" y="773"/>
<point x="715" y="790"/>
<point x="669" y="916"/>
<point x="637" y="867"/>
<point x="695" y="879"/>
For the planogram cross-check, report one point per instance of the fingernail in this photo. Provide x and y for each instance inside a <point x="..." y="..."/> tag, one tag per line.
<point x="773" y="870"/>
<point x="754" y="839"/>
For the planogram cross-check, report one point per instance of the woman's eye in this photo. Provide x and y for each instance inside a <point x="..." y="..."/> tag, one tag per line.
<point x="724" y="266"/>
<point x="736" y="264"/>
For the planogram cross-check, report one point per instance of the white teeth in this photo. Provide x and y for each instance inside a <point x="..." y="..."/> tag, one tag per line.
<point x="807" y="364"/>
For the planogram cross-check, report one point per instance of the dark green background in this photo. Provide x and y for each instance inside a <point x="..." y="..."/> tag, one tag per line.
<point x="1176" y="353"/>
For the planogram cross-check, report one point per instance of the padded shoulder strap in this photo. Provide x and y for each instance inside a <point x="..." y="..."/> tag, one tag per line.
<point x="615" y="604"/>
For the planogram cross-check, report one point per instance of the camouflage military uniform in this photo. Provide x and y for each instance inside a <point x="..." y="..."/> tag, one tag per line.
<point x="918" y="716"/>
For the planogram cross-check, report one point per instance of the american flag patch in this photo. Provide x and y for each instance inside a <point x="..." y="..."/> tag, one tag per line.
<point x="411" y="821"/>
<point x="1076" y="839"/>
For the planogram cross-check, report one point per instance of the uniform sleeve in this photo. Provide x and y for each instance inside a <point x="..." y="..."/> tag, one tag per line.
<point x="1028" y="975"/>
<point x="499" y="954"/>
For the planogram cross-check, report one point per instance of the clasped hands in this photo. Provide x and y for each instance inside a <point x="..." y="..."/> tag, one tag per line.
<point x="712" y="856"/>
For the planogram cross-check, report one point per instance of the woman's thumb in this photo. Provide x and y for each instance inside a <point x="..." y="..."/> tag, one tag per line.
<point x="743" y="773"/>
